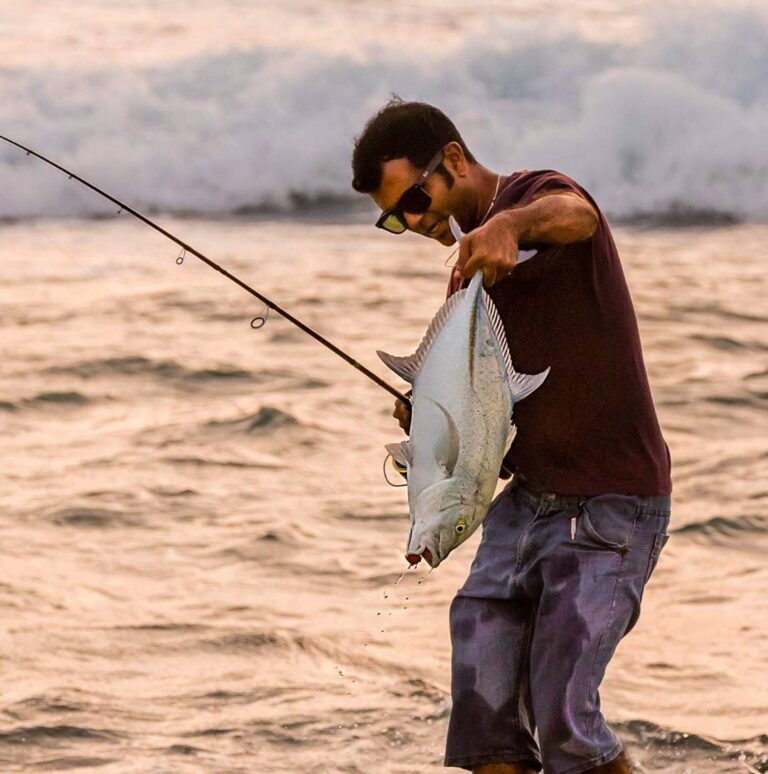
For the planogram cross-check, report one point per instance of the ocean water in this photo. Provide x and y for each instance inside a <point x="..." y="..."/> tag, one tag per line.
<point x="201" y="554"/>
<point x="202" y="561"/>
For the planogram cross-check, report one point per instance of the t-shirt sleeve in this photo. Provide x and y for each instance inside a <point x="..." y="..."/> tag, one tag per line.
<point x="549" y="181"/>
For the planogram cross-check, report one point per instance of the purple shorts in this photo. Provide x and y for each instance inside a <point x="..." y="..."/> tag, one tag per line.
<point x="556" y="583"/>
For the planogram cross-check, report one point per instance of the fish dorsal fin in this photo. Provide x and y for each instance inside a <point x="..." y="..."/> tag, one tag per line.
<point x="408" y="366"/>
<point x="521" y="385"/>
<point x="402" y="453"/>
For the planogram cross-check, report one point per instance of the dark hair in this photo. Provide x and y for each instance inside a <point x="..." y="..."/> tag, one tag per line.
<point x="411" y="130"/>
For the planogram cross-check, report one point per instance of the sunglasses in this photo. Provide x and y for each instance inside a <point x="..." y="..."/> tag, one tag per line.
<point x="414" y="200"/>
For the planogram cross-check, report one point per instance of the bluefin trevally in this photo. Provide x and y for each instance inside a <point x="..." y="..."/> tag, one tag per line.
<point x="464" y="391"/>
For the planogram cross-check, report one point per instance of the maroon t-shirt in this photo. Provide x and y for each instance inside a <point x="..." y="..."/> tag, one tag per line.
<point x="591" y="427"/>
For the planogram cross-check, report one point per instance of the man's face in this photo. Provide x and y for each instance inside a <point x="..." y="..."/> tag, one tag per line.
<point x="397" y="176"/>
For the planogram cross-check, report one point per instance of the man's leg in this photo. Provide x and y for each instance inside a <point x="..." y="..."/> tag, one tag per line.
<point x="589" y="579"/>
<point x="490" y="718"/>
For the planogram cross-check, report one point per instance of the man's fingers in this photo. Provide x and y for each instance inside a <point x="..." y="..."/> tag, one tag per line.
<point x="471" y="265"/>
<point x="491" y="270"/>
<point x="402" y="414"/>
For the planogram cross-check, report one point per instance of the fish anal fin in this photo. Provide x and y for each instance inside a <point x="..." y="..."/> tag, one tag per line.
<point x="520" y="385"/>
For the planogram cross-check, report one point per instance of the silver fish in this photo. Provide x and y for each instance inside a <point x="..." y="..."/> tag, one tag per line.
<point x="464" y="390"/>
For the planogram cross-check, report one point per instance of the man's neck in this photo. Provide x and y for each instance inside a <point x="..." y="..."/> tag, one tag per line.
<point x="484" y="185"/>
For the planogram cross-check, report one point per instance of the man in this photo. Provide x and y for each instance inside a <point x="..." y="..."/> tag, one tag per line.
<point x="569" y="545"/>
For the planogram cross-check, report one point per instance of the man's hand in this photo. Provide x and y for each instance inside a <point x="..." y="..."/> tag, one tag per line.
<point x="402" y="414"/>
<point x="492" y="247"/>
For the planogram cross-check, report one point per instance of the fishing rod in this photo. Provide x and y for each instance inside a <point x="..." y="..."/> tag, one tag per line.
<point x="205" y="259"/>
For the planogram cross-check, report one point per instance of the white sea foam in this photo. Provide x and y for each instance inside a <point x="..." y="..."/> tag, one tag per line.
<point x="675" y="124"/>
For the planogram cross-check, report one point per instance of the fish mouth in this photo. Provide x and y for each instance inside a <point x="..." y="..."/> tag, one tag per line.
<point x="414" y="559"/>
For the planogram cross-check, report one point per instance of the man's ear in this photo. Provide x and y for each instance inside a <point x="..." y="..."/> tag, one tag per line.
<point x="454" y="159"/>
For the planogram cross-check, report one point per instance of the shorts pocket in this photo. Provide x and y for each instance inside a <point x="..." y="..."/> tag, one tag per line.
<point x="658" y="543"/>
<point x="608" y="521"/>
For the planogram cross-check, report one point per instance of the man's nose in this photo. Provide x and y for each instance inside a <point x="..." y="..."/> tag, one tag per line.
<point x="413" y="219"/>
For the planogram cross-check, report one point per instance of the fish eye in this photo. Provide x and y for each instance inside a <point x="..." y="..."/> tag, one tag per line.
<point x="461" y="526"/>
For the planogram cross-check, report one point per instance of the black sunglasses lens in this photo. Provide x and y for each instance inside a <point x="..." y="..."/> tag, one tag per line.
<point x="415" y="200"/>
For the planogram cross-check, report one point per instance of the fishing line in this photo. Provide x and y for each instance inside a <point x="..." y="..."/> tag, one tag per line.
<point x="386" y="477"/>
<point x="186" y="248"/>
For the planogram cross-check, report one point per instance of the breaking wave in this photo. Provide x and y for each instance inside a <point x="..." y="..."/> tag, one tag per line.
<point x="672" y="127"/>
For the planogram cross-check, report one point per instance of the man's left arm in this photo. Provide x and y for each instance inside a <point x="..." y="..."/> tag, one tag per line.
<point x="558" y="218"/>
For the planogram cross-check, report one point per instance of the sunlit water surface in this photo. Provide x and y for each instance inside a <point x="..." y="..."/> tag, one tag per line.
<point x="200" y="553"/>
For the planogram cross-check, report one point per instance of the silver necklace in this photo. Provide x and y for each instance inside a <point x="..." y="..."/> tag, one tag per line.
<point x="487" y="212"/>
<point x="493" y="201"/>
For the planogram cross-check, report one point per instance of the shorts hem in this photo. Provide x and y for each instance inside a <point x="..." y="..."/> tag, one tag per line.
<point x="592" y="762"/>
<point x="501" y="756"/>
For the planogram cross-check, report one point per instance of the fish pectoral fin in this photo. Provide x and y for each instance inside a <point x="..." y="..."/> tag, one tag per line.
<point x="453" y="445"/>
<point x="401" y="452"/>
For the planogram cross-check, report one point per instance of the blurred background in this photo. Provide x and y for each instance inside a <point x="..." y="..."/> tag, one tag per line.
<point x="202" y="561"/>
